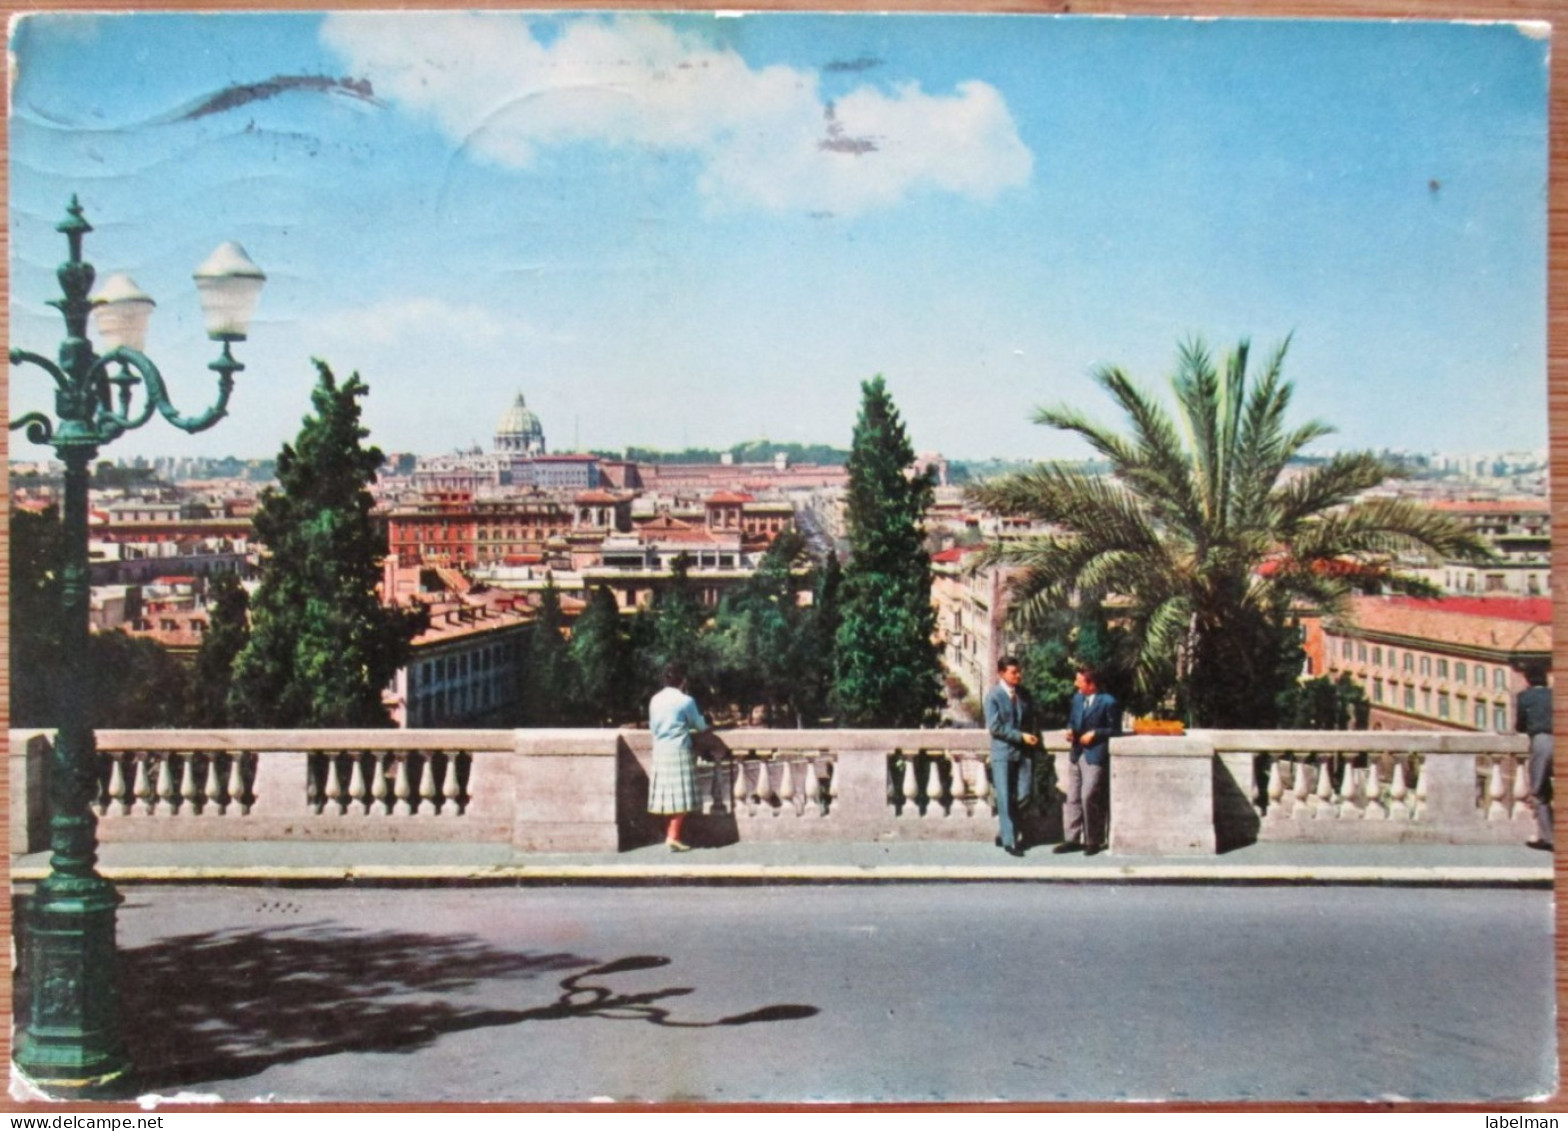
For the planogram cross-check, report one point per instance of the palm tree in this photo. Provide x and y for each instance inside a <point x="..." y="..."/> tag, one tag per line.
<point x="1201" y="536"/>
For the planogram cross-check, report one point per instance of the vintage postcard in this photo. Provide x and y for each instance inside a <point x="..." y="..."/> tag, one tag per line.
<point x="779" y="557"/>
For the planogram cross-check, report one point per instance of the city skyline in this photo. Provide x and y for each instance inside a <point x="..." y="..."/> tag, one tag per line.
<point x="696" y="230"/>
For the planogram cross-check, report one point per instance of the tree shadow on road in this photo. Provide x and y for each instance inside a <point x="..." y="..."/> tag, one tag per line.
<point x="225" y="1005"/>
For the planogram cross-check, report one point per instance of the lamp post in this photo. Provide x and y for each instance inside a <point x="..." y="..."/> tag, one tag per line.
<point x="71" y="1042"/>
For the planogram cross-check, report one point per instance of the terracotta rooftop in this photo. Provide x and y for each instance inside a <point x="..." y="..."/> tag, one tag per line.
<point x="1509" y="624"/>
<point x="1507" y="506"/>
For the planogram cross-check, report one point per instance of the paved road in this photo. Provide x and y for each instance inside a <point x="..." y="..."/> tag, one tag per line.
<point x="912" y="992"/>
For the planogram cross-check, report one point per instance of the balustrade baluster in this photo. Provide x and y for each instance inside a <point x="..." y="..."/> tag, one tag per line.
<point x="1276" y="790"/>
<point x="1301" y="789"/>
<point x="1521" y="806"/>
<point x="315" y="766"/>
<point x="909" y="787"/>
<point x="738" y="790"/>
<point x="427" y="784"/>
<point x="166" y="786"/>
<point x="813" y="784"/>
<point x="142" y="786"/>
<point x="1421" y="790"/>
<point x="380" y="792"/>
<point x="188" y="791"/>
<point x="213" y="793"/>
<point x="936" y="795"/>
<point x="1398" y="790"/>
<point x="1374" y="787"/>
<point x="787" y="782"/>
<point x="114" y="792"/>
<point x="1348" y="791"/>
<point x="1323" y="798"/>
<point x="1497" y="790"/>
<point x="358" y="792"/>
<point x="957" y="788"/>
<point x="459" y="768"/>
<point x="443" y="783"/>
<point x="975" y="786"/>
<point x="334" y="790"/>
<point x="767" y="791"/>
<point x="237" y="795"/>
<point x="401" y="788"/>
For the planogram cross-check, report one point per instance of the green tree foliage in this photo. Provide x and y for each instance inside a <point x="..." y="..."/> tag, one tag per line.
<point x="1201" y="531"/>
<point x="1326" y="703"/>
<point x="37" y="555"/>
<point x="110" y="476"/>
<point x="322" y="647"/>
<point x="228" y="630"/>
<point x="676" y="632"/>
<point x="888" y="673"/>
<point x="136" y="683"/>
<point x="601" y="656"/>
<point x="827" y="614"/>
<point x="548" y="689"/>
<point x="767" y="641"/>
<point x="1063" y="640"/>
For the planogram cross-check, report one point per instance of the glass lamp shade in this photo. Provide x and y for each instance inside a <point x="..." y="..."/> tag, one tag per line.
<point x="121" y="310"/>
<point x="228" y="284"/>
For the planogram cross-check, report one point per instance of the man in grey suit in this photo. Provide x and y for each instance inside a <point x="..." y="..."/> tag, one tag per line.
<point x="1011" y="718"/>
<point x="1534" y="707"/>
<point x="1095" y="718"/>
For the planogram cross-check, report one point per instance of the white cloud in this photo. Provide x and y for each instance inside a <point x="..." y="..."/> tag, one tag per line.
<point x="411" y="321"/>
<point x="765" y="136"/>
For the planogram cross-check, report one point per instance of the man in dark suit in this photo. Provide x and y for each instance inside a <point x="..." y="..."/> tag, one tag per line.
<point x="1014" y="724"/>
<point x="1094" y="720"/>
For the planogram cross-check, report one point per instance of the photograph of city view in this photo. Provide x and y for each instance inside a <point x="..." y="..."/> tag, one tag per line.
<point x="903" y="558"/>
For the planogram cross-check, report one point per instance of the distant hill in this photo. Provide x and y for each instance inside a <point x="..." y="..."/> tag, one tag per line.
<point x="752" y="451"/>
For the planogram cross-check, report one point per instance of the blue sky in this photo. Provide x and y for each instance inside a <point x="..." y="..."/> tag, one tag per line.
<point x="699" y="229"/>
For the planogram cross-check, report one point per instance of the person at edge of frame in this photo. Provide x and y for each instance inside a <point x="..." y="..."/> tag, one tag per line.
<point x="1533" y="716"/>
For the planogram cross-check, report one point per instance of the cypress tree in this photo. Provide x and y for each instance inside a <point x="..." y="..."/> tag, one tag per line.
<point x="676" y="632"/>
<point x="601" y="656"/>
<point x="228" y="629"/>
<point x="887" y="667"/>
<point x="826" y="615"/>
<point x="547" y="673"/>
<point x="322" y="646"/>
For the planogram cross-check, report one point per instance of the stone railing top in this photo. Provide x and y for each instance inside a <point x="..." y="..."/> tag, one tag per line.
<point x="742" y="742"/>
<point x="1363" y="741"/>
<point x="1190" y="745"/>
<point x="298" y="740"/>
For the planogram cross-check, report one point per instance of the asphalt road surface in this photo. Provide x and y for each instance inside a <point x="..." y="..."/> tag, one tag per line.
<point x="917" y="993"/>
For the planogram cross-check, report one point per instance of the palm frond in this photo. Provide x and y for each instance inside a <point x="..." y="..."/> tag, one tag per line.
<point x="1387" y="527"/>
<point x="1333" y="484"/>
<point x="1197" y="388"/>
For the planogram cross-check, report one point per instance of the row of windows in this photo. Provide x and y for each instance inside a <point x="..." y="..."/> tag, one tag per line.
<point x="461" y="666"/>
<point x="1458" y="708"/>
<point x="455" y="702"/>
<point x="535" y="534"/>
<point x="1409" y="661"/>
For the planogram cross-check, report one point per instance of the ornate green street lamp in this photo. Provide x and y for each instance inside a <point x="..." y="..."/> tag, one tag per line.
<point x="71" y="1042"/>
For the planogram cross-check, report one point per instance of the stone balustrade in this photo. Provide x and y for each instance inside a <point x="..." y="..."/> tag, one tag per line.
<point x="585" y="790"/>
